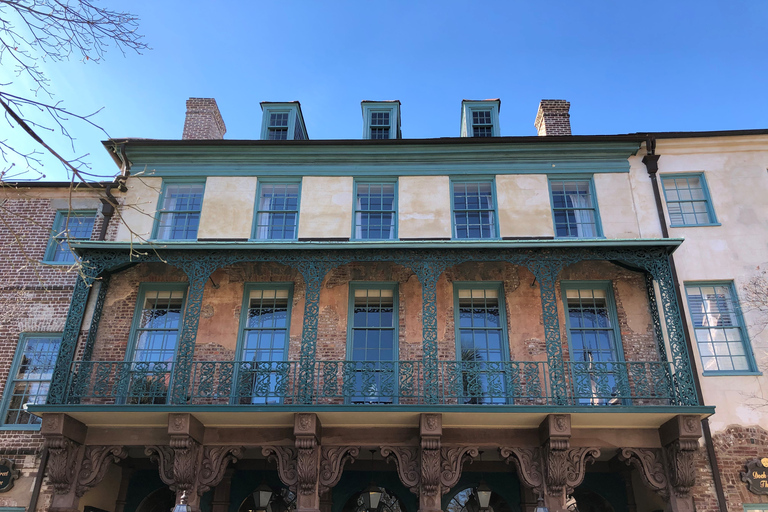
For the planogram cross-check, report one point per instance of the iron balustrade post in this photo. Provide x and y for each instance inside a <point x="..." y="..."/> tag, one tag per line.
<point x="313" y="272"/>
<point x="61" y="372"/>
<point x="197" y="272"/>
<point x="685" y="389"/>
<point x="546" y="269"/>
<point x="654" y="307"/>
<point x="428" y="272"/>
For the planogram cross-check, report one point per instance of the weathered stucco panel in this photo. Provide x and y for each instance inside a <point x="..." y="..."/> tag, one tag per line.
<point x="228" y="205"/>
<point x="642" y="195"/>
<point x="616" y="205"/>
<point x="137" y="213"/>
<point x="424" y="209"/>
<point x="525" y="209"/>
<point x="326" y="207"/>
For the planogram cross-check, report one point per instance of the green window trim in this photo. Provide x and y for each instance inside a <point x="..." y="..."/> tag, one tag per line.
<point x="265" y="218"/>
<point x="47" y="352"/>
<point x="360" y="214"/>
<point x="465" y="211"/>
<point x="190" y="215"/>
<point x="150" y="378"/>
<point x="57" y="252"/>
<point x="755" y="507"/>
<point x="567" y="214"/>
<point x="485" y="342"/>
<point x="681" y="193"/>
<point x="727" y="343"/>
<point x="596" y="343"/>
<point x="255" y="383"/>
<point x="370" y="374"/>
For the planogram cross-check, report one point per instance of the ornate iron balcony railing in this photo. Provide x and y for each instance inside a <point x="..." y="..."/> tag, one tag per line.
<point x="277" y="383"/>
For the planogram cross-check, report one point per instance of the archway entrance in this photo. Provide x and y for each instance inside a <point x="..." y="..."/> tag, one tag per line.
<point x="161" y="500"/>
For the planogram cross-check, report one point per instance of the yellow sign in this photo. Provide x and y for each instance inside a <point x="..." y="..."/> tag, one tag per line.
<point x="764" y="462"/>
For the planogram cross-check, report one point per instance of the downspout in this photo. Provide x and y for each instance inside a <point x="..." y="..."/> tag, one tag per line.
<point x="109" y="204"/>
<point x="38" y="480"/>
<point x="651" y="161"/>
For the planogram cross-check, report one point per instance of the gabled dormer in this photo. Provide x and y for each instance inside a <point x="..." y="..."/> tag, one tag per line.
<point x="282" y="121"/>
<point x="480" y="118"/>
<point x="381" y="119"/>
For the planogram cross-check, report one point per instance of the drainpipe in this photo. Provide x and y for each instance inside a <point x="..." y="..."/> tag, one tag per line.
<point x="38" y="480"/>
<point x="109" y="204"/>
<point x="651" y="161"/>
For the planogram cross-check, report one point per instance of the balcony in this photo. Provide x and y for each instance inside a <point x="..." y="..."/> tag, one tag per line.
<point x="458" y="384"/>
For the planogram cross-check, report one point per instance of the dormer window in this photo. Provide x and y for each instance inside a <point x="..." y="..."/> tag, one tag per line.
<point x="480" y="118"/>
<point x="381" y="119"/>
<point x="282" y="121"/>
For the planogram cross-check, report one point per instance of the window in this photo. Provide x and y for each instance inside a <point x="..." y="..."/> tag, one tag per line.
<point x="482" y="126"/>
<point x="719" y="328"/>
<point x="265" y="326"/>
<point x="68" y="225"/>
<point x="375" y="211"/>
<point x="381" y="119"/>
<point x="480" y="118"/>
<point x="574" y="209"/>
<point x="481" y="344"/>
<point x="154" y="338"/>
<point x="757" y="507"/>
<point x="595" y="343"/>
<point x="688" y="201"/>
<point x="278" y="126"/>
<point x="30" y="377"/>
<point x="474" y="210"/>
<point x="179" y="213"/>
<point x="373" y="341"/>
<point x="277" y="213"/>
<point x="282" y="121"/>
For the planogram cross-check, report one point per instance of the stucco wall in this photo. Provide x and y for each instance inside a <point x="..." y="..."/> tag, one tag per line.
<point x="326" y="207"/>
<point x="137" y="213"/>
<point x="616" y="205"/>
<point x="424" y="207"/>
<point x="524" y="206"/>
<point x="227" y="212"/>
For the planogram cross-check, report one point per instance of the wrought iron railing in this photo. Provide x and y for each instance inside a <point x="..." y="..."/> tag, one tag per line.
<point x="383" y="383"/>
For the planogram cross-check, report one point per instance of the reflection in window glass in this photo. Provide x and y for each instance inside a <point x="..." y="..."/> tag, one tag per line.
<point x="31" y="380"/>
<point x="277" y="217"/>
<point x="474" y="215"/>
<point x="179" y="215"/>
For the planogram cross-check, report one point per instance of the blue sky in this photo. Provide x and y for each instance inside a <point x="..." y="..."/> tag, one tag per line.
<point x="624" y="66"/>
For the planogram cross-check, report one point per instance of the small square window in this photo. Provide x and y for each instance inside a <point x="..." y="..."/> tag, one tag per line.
<point x="278" y="126"/>
<point x="480" y="118"/>
<point x="574" y="209"/>
<point x="179" y="214"/>
<point x="718" y="327"/>
<point x="67" y="226"/>
<point x="688" y="201"/>
<point x="381" y="119"/>
<point x="474" y="211"/>
<point x="277" y="211"/>
<point x="482" y="125"/>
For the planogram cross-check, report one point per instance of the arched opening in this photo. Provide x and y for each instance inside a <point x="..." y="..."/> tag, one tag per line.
<point x="161" y="500"/>
<point x="388" y="502"/>
<point x="590" y="501"/>
<point x="469" y="500"/>
<point x="281" y="500"/>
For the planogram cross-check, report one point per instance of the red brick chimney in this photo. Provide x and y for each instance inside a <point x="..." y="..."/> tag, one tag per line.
<point x="203" y="120"/>
<point x="553" y="118"/>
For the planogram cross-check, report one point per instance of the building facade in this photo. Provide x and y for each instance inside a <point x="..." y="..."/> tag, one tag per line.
<point x="554" y="319"/>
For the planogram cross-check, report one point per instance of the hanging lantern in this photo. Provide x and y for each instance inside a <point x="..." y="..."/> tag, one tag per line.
<point x="261" y="496"/>
<point x="182" y="505"/>
<point x="472" y="505"/>
<point x="483" y="495"/>
<point x="371" y="497"/>
<point x="540" y="507"/>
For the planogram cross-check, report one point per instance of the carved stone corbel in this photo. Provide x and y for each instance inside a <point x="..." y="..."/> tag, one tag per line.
<point x="63" y="455"/>
<point x="306" y="429"/>
<point x="96" y="461"/>
<point x="680" y="438"/>
<point x="214" y="465"/>
<point x="430" y="432"/>
<point x="576" y="465"/>
<point x="527" y="461"/>
<point x="332" y="460"/>
<point x="285" y="458"/>
<point x="406" y="459"/>
<point x="162" y="456"/>
<point x="650" y="464"/>
<point x="452" y="461"/>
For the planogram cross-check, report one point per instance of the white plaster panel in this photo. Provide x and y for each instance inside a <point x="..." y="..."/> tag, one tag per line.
<point x="616" y="205"/>
<point x="137" y="213"/>
<point x="525" y="209"/>
<point x="326" y="207"/>
<point x="228" y="206"/>
<point x="424" y="209"/>
<point x="641" y="186"/>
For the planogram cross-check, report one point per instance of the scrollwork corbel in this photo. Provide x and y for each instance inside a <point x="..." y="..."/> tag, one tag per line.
<point x="406" y="460"/>
<point x="527" y="461"/>
<point x="650" y="464"/>
<point x="62" y="463"/>
<point x="96" y="461"/>
<point x="214" y="464"/>
<point x="452" y="460"/>
<point x="332" y="460"/>
<point x="285" y="457"/>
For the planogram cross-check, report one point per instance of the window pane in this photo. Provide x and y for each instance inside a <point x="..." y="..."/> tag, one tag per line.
<point x="179" y="216"/>
<point x="69" y="226"/>
<point x="473" y="210"/>
<point x="687" y="201"/>
<point x="29" y="385"/>
<point x="573" y="209"/>
<point x="277" y="216"/>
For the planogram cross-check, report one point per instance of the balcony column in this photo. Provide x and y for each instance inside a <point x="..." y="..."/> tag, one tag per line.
<point x="546" y="271"/>
<point x="93" y="329"/>
<point x="314" y="273"/>
<point x="61" y="372"/>
<point x="428" y="272"/>
<point x="198" y="271"/>
<point x="654" y="307"/>
<point x="685" y="389"/>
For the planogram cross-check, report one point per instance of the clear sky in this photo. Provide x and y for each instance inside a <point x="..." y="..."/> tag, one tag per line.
<point x="624" y="66"/>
